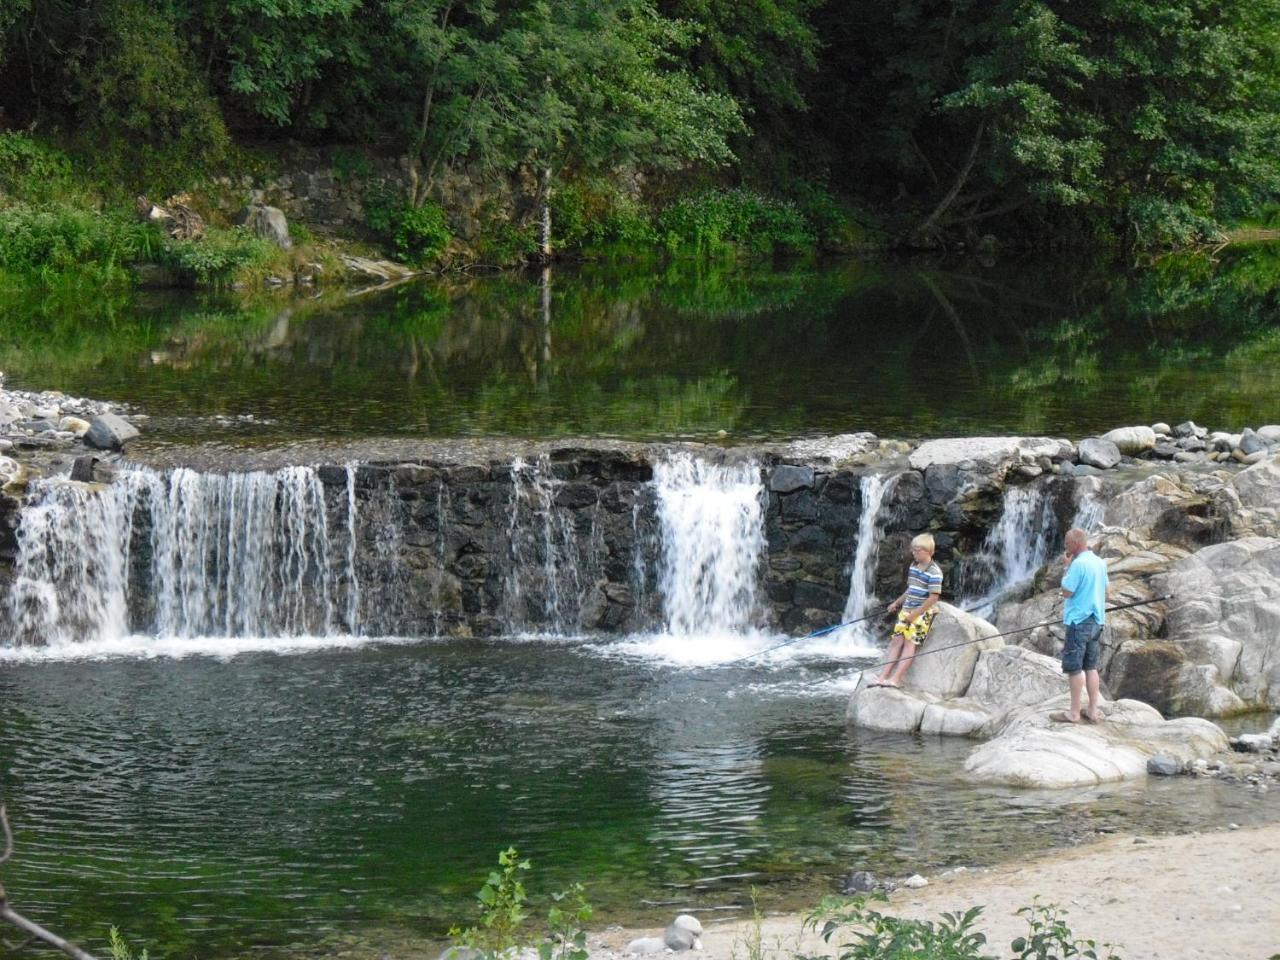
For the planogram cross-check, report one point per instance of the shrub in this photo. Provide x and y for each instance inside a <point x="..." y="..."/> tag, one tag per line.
<point x="29" y="169"/>
<point x="875" y="936"/>
<point x="217" y="257"/>
<point x="417" y="234"/>
<point x="738" y="219"/>
<point x="502" y="906"/>
<point x="595" y="216"/>
<point x="58" y="237"/>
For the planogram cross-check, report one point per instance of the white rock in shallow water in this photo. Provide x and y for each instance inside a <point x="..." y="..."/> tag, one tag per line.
<point x="75" y="425"/>
<point x="1098" y="452"/>
<point x="1162" y="428"/>
<point x="1132" y="440"/>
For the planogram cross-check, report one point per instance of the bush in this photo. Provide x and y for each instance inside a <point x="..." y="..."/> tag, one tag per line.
<point x="31" y="170"/>
<point x="58" y="237"/>
<point x="595" y="216"/>
<point x="739" y="219"/>
<point x="417" y="234"/>
<point x="217" y="257"/>
<point x="875" y="936"/>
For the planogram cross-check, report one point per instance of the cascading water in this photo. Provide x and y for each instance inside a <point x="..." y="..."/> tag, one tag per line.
<point x="873" y="488"/>
<point x="547" y="581"/>
<point x="1019" y="543"/>
<point x="711" y="520"/>
<point x="185" y="554"/>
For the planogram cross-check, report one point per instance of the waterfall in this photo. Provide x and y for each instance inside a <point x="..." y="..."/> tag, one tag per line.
<point x="711" y="520"/>
<point x="1018" y="544"/>
<point x="185" y="554"/>
<point x="873" y="488"/>
<point x="547" y="582"/>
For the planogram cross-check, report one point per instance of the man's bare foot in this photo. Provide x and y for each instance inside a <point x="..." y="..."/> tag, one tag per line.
<point x="888" y="683"/>
<point x="1094" y="716"/>
<point x="1061" y="716"/>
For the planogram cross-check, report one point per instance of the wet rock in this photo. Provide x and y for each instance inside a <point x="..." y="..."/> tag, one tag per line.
<point x="1270" y="434"/>
<point x="1098" y="452"/>
<point x="1252" y="743"/>
<point x="1132" y="441"/>
<point x="110" y="432"/>
<point x="1162" y="429"/>
<point x="1188" y="428"/>
<point x="859" y="881"/>
<point x="1162" y="765"/>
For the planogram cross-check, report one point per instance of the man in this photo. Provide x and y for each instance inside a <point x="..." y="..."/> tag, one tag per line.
<point x="1083" y="611"/>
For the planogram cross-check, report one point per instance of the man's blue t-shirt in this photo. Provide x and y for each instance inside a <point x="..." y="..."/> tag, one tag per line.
<point x="1087" y="580"/>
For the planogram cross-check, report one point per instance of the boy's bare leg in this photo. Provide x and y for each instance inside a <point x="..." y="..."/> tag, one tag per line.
<point x="895" y="650"/>
<point x="907" y="654"/>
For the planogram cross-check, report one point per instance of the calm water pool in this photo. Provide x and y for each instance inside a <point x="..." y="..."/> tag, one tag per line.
<point x="214" y="806"/>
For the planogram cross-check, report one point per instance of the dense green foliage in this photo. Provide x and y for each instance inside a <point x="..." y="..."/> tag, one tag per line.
<point x="1147" y="122"/>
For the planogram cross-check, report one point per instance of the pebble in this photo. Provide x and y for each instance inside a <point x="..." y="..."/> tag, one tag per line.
<point x="915" y="882"/>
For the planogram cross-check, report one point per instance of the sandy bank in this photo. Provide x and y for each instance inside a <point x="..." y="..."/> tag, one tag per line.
<point x="1212" y="895"/>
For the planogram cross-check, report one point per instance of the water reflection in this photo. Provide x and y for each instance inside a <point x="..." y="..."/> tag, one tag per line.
<point x="896" y="347"/>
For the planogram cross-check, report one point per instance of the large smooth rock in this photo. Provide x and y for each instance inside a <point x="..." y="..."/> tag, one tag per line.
<point x="884" y="708"/>
<point x="1250" y="503"/>
<point x="1166" y="507"/>
<point x="109" y="432"/>
<point x="950" y="653"/>
<point x="1225" y="614"/>
<point x="987" y="454"/>
<point x="1132" y="441"/>
<point x="963" y="717"/>
<point x="1098" y="452"/>
<point x="1015" y="677"/>
<point x="1032" y="751"/>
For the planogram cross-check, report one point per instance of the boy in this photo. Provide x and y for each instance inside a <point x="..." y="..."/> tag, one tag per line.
<point x="917" y="602"/>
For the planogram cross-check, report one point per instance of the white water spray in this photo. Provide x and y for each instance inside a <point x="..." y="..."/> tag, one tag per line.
<point x="873" y="488"/>
<point x="712" y="526"/>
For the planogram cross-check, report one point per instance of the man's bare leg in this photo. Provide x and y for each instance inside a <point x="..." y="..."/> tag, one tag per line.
<point x="1076" y="682"/>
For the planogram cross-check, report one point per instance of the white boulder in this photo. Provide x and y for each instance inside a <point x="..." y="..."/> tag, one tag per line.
<point x="1132" y="441"/>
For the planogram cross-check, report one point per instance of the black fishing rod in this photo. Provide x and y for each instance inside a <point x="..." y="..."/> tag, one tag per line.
<point x="1009" y="633"/>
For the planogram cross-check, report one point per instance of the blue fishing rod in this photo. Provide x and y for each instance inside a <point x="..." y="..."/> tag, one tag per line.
<point x="879" y="611"/>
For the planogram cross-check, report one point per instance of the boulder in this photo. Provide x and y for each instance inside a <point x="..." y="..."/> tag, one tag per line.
<point x="677" y="938"/>
<point x="1163" y="766"/>
<point x="1030" y="750"/>
<point x="1162" y="429"/>
<point x="1132" y="441"/>
<point x="1166" y="507"/>
<point x="991" y="455"/>
<point x="1224" y="614"/>
<point x="109" y="432"/>
<point x="1251" y="443"/>
<point x="74" y="425"/>
<point x="269" y="223"/>
<point x="645" y="945"/>
<point x="963" y="717"/>
<point x="887" y="709"/>
<point x="1098" y="452"/>
<point x="1270" y="434"/>
<point x="1015" y="677"/>
<point x="1188" y="428"/>
<point x="951" y="653"/>
<point x="1249" y="504"/>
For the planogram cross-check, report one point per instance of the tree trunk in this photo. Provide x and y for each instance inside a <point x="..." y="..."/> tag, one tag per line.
<point x="931" y="221"/>
<point x="544" y="242"/>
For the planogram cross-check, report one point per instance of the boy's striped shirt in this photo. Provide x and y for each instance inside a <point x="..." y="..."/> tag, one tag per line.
<point x="920" y="583"/>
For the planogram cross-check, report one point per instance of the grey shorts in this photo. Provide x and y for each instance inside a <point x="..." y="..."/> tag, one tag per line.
<point x="1081" y="649"/>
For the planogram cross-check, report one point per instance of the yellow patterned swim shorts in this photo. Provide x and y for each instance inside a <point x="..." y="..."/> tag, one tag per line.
<point x="915" y="632"/>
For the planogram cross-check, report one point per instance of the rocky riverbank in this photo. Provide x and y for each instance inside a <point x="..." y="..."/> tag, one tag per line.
<point x="1191" y="897"/>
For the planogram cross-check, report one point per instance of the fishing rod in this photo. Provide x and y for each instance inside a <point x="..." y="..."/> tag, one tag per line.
<point x="1009" y="633"/>
<point x="808" y="636"/>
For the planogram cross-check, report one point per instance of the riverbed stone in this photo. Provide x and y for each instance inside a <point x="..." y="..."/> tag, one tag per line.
<point x="1163" y="765"/>
<point x="1033" y="751"/>
<point x="886" y="709"/>
<point x="1251" y="443"/>
<point x="988" y="455"/>
<point x="1270" y="434"/>
<point x="1132" y="441"/>
<point x="643" y="946"/>
<point x="1162" y="429"/>
<point x="110" y="431"/>
<point x="1098" y="452"/>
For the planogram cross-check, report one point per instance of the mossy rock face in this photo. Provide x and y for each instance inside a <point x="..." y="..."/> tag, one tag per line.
<point x="1150" y="673"/>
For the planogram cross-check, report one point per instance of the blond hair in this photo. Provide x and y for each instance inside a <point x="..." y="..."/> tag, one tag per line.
<point x="923" y="540"/>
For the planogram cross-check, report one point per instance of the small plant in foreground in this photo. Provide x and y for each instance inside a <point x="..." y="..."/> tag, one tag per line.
<point x="1049" y="937"/>
<point x="876" y="936"/>
<point x="502" y="905"/>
